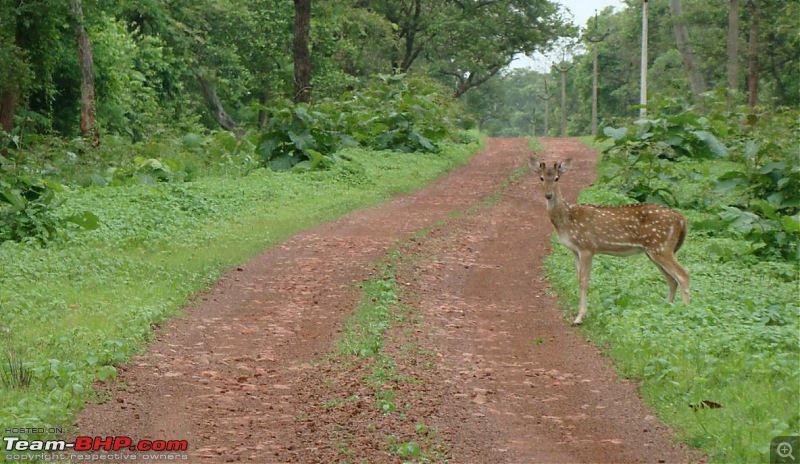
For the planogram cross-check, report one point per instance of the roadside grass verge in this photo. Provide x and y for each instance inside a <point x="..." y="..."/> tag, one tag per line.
<point x="725" y="370"/>
<point x="71" y="312"/>
<point x="593" y="143"/>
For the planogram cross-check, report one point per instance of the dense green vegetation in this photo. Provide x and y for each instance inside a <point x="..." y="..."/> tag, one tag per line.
<point x="515" y="104"/>
<point x="725" y="370"/>
<point x="98" y="294"/>
<point x="147" y="146"/>
<point x="106" y="93"/>
<point x="163" y="67"/>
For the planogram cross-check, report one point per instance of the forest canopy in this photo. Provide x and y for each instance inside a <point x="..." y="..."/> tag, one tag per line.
<point x="179" y="64"/>
<point x="749" y="50"/>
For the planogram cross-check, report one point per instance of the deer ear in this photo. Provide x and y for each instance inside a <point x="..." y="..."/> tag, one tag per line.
<point x="535" y="164"/>
<point x="564" y="165"/>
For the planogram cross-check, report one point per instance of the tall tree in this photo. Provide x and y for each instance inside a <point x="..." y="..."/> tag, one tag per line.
<point x="696" y="81"/>
<point x="780" y="62"/>
<point x="8" y="107"/>
<point x="31" y="35"/>
<point x="86" y="61"/>
<point x="12" y="68"/>
<point x="644" y="61"/>
<point x="468" y="42"/>
<point x="733" y="49"/>
<point x="752" y="55"/>
<point x="302" y="56"/>
<point x="489" y="34"/>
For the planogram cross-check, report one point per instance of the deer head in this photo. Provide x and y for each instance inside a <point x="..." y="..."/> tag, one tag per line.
<point x="549" y="176"/>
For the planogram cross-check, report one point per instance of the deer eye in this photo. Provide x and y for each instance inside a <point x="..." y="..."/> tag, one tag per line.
<point x="542" y="178"/>
<point x="556" y="178"/>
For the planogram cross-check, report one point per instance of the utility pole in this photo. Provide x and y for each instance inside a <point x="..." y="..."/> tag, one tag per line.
<point x="595" y="40"/>
<point x="643" y="78"/>
<point x="563" y="69"/>
<point x="546" y="97"/>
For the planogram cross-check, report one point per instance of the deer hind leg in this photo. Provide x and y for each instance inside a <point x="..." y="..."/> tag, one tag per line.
<point x="673" y="284"/>
<point x="671" y="268"/>
<point x="584" y="270"/>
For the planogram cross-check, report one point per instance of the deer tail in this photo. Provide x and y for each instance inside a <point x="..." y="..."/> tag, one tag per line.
<point x="681" y="237"/>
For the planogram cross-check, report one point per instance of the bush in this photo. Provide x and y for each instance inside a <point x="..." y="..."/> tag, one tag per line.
<point x="399" y="112"/>
<point x="756" y="198"/>
<point x="300" y="138"/>
<point x="27" y="210"/>
<point x="393" y="112"/>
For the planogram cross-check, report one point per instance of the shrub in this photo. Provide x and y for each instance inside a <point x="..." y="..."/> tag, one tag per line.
<point x="399" y="112"/>
<point x="756" y="198"/>
<point x="300" y="138"/>
<point x="27" y="210"/>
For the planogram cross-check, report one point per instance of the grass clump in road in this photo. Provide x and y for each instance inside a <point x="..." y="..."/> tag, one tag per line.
<point x="377" y="356"/>
<point x="379" y="310"/>
<point x="71" y="312"/>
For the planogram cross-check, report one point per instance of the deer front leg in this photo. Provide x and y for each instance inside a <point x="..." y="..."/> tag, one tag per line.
<point x="584" y="270"/>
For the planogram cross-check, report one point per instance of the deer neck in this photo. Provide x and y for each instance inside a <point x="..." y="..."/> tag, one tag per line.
<point x="558" y="210"/>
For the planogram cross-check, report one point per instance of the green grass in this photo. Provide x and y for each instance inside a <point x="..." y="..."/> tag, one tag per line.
<point x="362" y="341"/>
<point x="593" y="143"/>
<point x="75" y="309"/>
<point x="737" y="344"/>
<point x="379" y="310"/>
<point x="535" y="144"/>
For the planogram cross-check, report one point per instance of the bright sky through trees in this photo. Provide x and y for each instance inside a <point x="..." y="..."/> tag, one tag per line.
<point x="581" y="11"/>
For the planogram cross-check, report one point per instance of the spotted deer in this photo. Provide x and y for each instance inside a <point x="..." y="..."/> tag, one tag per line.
<point x="587" y="230"/>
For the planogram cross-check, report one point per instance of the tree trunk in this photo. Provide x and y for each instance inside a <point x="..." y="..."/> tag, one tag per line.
<point x="463" y="86"/>
<point x="411" y="34"/>
<point x="471" y="81"/>
<point x="696" y="81"/>
<point x="594" y="90"/>
<point x="86" y="60"/>
<point x="9" y="98"/>
<point x="563" y="103"/>
<point x="733" y="50"/>
<point x="302" y="57"/>
<point x="263" y="116"/>
<point x="8" y="108"/>
<point x="752" y="56"/>
<point x="212" y="100"/>
<point x="643" y="62"/>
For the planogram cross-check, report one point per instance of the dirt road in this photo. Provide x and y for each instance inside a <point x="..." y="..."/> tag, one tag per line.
<point x="497" y="374"/>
